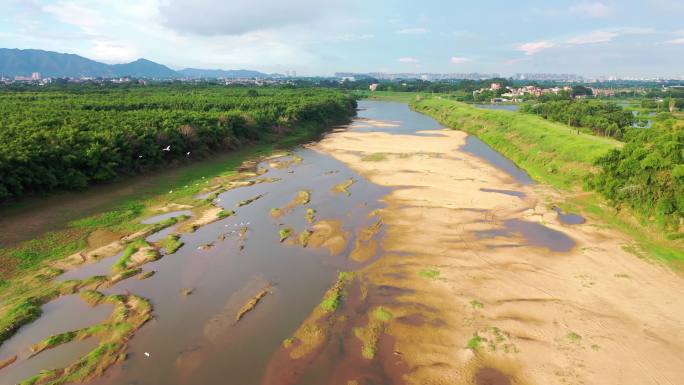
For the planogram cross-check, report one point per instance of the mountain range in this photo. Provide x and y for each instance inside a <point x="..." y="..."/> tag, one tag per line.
<point x="23" y="62"/>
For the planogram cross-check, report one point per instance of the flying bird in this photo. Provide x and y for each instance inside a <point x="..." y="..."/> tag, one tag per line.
<point x="168" y="148"/>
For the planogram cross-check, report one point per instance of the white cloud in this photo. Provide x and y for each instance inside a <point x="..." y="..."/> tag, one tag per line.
<point x="535" y="47"/>
<point x="679" y="41"/>
<point x="413" y="31"/>
<point x="592" y="10"/>
<point x="209" y="17"/>
<point x="459" y="60"/>
<point x="408" y="59"/>
<point x="352" y="37"/>
<point x="593" y="37"/>
<point x="112" y="51"/>
<point x="70" y="12"/>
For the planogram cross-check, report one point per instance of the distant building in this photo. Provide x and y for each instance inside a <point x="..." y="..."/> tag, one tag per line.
<point x="495" y="86"/>
<point x="373" y="86"/>
<point x="36" y="76"/>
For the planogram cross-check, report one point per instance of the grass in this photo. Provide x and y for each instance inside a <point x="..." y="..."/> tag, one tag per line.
<point x="303" y="197"/>
<point x="92" y="297"/>
<point x="376" y="157"/>
<point x="310" y="215"/>
<point x="284" y="233"/>
<point x="476" y="304"/>
<point x="225" y="214"/>
<point x="250" y="200"/>
<point x="171" y="243"/>
<point x="475" y="342"/>
<point x="555" y="154"/>
<point x="130" y="313"/>
<point x="429" y="273"/>
<point x="574" y="337"/>
<point x="333" y="297"/>
<point x="304" y="237"/>
<point x="382" y="314"/>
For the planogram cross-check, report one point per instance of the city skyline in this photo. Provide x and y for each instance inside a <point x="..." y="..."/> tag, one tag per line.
<point x="593" y="39"/>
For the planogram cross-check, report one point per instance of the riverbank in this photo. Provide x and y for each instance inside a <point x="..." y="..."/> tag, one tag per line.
<point x="555" y="154"/>
<point x="481" y="279"/>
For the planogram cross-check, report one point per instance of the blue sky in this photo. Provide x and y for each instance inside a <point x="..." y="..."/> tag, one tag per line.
<point x="319" y="37"/>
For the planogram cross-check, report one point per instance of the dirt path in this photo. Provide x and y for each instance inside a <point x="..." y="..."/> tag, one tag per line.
<point x="491" y="280"/>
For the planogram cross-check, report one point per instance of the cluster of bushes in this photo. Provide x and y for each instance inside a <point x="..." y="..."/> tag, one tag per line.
<point x="601" y="118"/>
<point x="69" y="138"/>
<point x="648" y="172"/>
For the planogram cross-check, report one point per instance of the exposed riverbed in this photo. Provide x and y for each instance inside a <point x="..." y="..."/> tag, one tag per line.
<point x="448" y="240"/>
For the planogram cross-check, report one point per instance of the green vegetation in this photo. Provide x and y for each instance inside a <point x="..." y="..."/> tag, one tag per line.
<point x="171" y="244"/>
<point x="92" y="297"/>
<point x="429" y="273"/>
<point x="225" y="214"/>
<point x="310" y="215"/>
<point x="284" y="233"/>
<point x="601" y="118"/>
<point x="304" y="237"/>
<point x="73" y="137"/>
<point x="648" y="173"/>
<point x="476" y="304"/>
<point x="333" y="297"/>
<point x="382" y="314"/>
<point x="303" y="197"/>
<point x="250" y="200"/>
<point x="574" y="337"/>
<point x="130" y="313"/>
<point x="475" y="342"/>
<point x="377" y="157"/>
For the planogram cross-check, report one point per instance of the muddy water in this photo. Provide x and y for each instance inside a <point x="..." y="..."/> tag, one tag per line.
<point x="59" y="316"/>
<point x="194" y="339"/>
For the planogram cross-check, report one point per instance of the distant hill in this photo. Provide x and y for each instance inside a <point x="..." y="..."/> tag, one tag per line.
<point x="23" y="62"/>
<point x="227" y="74"/>
<point x="143" y="68"/>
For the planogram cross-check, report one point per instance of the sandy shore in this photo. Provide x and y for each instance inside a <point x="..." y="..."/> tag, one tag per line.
<point x="477" y="269"/>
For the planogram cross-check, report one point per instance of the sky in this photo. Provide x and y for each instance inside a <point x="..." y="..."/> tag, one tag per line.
<point x="320" y="37"/>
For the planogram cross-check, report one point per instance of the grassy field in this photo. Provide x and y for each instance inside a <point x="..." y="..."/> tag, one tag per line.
<point x="557" y="155"/>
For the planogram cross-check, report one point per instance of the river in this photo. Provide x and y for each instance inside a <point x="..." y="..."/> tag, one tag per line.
<point x="193" y="339"/>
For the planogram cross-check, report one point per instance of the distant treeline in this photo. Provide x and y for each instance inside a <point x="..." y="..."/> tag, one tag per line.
<point x="65" y="138"/>
<point x="601" y="118"/>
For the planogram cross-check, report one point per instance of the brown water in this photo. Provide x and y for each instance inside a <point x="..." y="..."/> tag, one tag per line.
<point x="193" y="339"/>
<point x="59" y="316"/>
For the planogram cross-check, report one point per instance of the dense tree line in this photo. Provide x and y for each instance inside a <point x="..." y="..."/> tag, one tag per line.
<point x="602" y="118"/>
<point x="64" y="138"/>
<point x="648" y="172"/>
